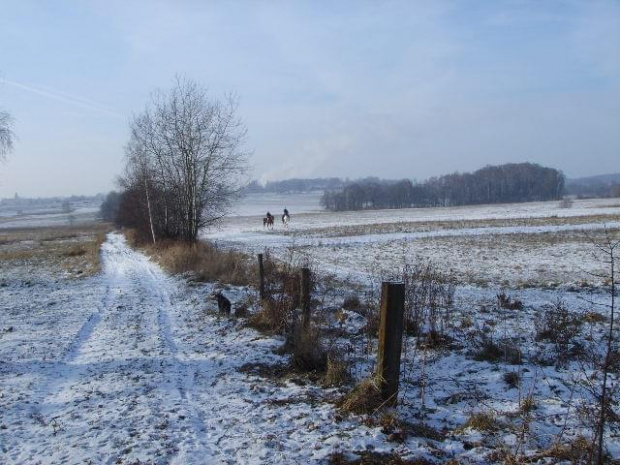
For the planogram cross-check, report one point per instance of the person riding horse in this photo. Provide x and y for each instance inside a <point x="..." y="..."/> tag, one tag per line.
<point x="268" y="220"/>
<point x="285" y="215"/>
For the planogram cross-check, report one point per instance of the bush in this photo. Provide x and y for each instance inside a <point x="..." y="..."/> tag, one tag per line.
<point x="505" y="301"/>
<point x="309" y="355"/>
<point x="429" y="298"/>
<point x="559" y="327"/>
<point x="512" y="379"/>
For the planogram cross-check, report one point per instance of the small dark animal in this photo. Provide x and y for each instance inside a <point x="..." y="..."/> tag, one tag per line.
<point x="223" y="304"/>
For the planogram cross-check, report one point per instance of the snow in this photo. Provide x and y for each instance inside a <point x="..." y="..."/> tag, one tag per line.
<point x="509" y="245"/>
<point x="133" y="365"/>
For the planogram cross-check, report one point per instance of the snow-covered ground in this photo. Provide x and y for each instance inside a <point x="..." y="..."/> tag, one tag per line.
<point x="133" y="366"/>
<point x="503" y="245"/>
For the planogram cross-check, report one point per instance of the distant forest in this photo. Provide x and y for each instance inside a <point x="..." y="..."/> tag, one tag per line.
<point x="522" y="182"/>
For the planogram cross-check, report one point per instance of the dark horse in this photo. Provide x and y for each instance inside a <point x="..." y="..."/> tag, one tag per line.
<point x="268" y="222"/>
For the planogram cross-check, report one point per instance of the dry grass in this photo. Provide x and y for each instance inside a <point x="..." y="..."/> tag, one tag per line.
<point x="482" y="421"/>
<point x="338" y="371"/>
<point x="76" y="250"/>
<point x="528" y="404"/>
<point x="365" y="398"/>
<point x="204" y="261"/>
<point x="274" y="316"/>
<point x="512" y="379"/>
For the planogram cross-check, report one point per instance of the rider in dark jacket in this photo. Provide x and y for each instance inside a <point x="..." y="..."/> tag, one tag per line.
<point x="285" y="214"/>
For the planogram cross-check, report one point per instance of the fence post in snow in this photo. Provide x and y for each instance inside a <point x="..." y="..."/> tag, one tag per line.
<point x="261" y="273"/>
<point x="390" y="339"/>
<point x="305" y="298"/>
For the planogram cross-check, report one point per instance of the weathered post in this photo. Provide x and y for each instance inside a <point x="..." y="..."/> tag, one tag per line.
<point x="390" y="339"/>
<point x="305" y="298"/>
<point x="261" y="273"/>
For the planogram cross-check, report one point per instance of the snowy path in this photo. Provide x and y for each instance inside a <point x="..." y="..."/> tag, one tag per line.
<point x="134" y="369"/>
<point x="121" y="366"/>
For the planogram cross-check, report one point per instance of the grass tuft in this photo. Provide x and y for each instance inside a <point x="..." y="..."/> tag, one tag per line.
<point x="365" y="398"/>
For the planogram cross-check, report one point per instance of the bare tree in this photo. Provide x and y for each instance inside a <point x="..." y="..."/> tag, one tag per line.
<point x="6" y="134"/>
<point x="186" y="152"/>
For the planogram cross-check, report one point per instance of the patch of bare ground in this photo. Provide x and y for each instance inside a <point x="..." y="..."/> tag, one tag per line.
<point x="74" y="249"/>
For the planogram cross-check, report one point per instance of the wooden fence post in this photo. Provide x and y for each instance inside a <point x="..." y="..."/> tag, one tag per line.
<point x="261" y="273"/>
<point x="305" y="298"/>
<point x="390" y="339"/>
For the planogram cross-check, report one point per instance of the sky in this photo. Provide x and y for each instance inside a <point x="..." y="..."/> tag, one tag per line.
<point x="394" y="89"/>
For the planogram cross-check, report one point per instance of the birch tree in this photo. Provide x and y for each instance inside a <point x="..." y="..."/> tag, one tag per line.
<point x="186" y="148"/>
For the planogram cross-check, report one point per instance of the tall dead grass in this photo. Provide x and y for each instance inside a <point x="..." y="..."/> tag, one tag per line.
<point x="205" y="262"/>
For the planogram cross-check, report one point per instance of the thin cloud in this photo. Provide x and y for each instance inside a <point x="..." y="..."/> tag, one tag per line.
<point x="64" y="97"/>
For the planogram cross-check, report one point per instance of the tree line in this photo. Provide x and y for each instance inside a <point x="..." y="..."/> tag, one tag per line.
<point x="184" y="164"/>
<point x="513" y="182"/>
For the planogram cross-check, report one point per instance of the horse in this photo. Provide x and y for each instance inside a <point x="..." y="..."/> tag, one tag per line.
<point x="268" y="222"/>
<point x="286" y="220"/>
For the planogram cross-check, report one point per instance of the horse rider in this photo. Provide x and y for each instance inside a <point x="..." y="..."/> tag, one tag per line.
<point x="269" y="216"/>
<point x="285" y="214"/>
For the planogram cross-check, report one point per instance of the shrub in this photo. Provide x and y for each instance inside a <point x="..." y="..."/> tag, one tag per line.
<point x="559" y="327"/>
<point x="352" y="302"/>
<point x="491" y="351"/>
<point x="429" y="298"/>
<point x="505" y="301"/>
<point x="512" y="379"/>
<point x="308" y="351"/>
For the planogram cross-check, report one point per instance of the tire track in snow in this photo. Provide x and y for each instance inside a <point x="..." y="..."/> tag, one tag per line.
<point x="128" y="336"/>
<point x="147" y="276"/>
<point x="183" y="373"/>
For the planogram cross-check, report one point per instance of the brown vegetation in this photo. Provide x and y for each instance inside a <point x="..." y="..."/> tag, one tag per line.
<point x="205" y="262"/>
<point x="75" y="249"/>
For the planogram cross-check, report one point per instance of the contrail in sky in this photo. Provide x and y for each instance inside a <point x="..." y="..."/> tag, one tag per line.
<point x="64" y="97"/>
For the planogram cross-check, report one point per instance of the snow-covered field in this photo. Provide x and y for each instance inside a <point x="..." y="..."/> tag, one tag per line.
<point x="132" y="365"/>
<point x="514" y="245"/>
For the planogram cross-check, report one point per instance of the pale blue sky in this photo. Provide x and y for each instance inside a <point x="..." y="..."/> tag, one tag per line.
<point x="352" y="88"/>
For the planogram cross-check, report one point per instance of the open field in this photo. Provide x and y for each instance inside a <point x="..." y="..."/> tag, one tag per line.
<point x="123" y="363"/>
<point x="533" y="244"/>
